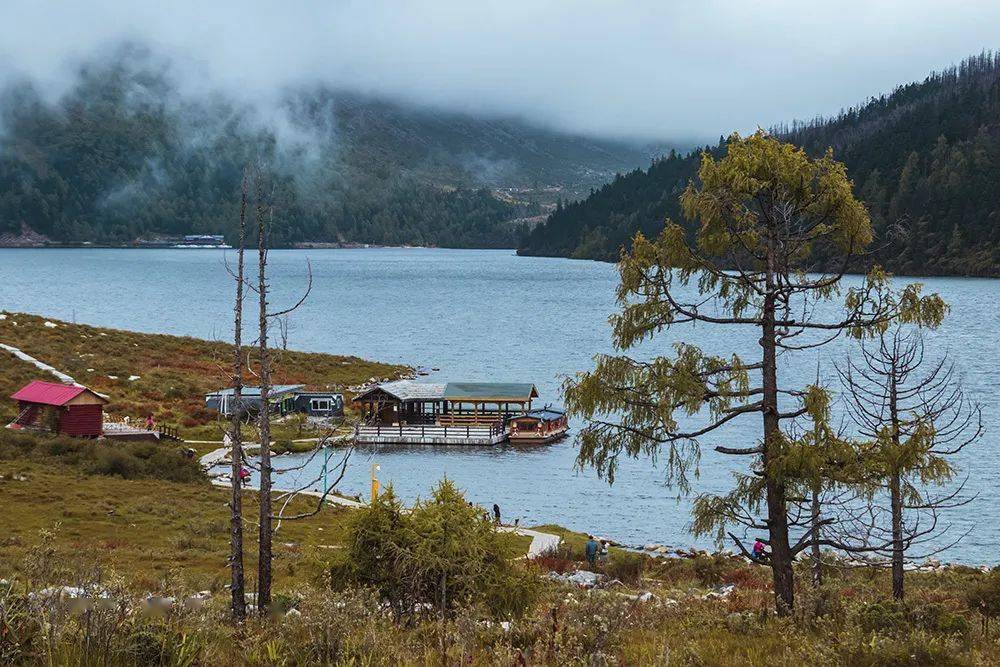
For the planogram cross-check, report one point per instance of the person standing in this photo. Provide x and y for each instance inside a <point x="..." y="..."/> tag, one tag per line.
<point x="591" y="551"/>
<point x="150" y="424"/>
<point x="496" y="514"/>
<point x="602" y="555"/>
<point x="758" y="555"/>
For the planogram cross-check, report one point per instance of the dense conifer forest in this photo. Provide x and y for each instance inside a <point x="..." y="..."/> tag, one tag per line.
<point x="126" y="152"/>
<point x="925" y="159"/>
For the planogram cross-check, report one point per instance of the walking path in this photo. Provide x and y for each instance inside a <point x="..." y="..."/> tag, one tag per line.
<point x="541" y="543"/>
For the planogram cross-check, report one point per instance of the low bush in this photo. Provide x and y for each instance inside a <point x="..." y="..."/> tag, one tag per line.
<point x="983" y="597"/>
<point x="553" y="561"/>
<point x="626" y="566"/>
<point x="711" y="569"/>
<point x="442" y="555"/>
<point x="128" y="460"/>
<point x="889" y="617"/>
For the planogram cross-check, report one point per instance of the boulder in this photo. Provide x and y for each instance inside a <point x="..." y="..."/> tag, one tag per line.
<point x="581" y="578"/>
<point x="719" y="592"/>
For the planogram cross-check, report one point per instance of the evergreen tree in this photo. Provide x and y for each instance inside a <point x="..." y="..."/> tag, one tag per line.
<point x="762" y="212"/>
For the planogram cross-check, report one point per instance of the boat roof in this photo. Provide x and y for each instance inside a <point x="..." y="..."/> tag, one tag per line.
<point x="545" y="414"/>
<point x="252" y="392"/>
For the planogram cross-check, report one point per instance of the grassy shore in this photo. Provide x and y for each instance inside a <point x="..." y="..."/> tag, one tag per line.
<point x="140" y="518"/>
<point x="171" y="373"/>
<point x="78" y="511"/>
<point x="96" y="505"/>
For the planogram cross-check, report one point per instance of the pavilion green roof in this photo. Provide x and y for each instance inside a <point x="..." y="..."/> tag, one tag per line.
<point x="492" y="391"/>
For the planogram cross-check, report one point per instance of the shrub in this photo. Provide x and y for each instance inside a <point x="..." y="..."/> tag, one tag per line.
<point x="443" y="554"/>
<point x="282" y="446"/>
<point x="891" y="616"/>
<point x="553" y="561"/>
<point x="115" y="463"/>
<point x="625" y="566"/>
<point x="938" y="618"/>
<point x="884" y="616"/>
<point x="710" y="569"/>
<point x="129" y="460"/>
<point x="983" y="597"/>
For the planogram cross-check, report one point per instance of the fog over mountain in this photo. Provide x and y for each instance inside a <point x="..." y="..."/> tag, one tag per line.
<point x="653" y="70"/>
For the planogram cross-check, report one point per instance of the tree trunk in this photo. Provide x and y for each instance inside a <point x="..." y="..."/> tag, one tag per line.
<point x="236" y="586"/>
<point x="817" y="565"/>
<point x="895" y="495"/>
<point x="777" y="514"/>
<point x="264" y="538"/>
<point x="896" y="502"/>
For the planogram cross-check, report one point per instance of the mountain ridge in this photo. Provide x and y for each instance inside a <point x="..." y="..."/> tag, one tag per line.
<point x="925" y="159"/>
<point x="124" y="154"/>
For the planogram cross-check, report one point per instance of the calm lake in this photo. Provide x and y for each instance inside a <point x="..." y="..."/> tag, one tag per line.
<point x="492" y="316"/>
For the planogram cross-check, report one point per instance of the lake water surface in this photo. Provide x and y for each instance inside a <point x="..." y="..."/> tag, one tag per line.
<point x="492" y="316"/>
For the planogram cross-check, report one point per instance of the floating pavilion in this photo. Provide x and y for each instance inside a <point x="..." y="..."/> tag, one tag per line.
<point x="466" y="413"/>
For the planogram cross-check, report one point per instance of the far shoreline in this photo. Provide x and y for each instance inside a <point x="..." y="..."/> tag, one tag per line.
<point x="305" y="245"/>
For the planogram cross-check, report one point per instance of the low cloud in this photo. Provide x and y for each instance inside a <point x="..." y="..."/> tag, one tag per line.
<point x="647" y="69"/>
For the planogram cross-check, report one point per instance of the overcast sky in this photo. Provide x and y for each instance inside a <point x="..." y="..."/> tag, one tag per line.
<point x="664" y="69"/>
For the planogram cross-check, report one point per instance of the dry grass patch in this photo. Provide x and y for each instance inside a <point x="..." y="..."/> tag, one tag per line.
<point x="174" y="372"/>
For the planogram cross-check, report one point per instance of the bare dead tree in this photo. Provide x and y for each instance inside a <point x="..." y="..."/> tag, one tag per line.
<point x="284" y="327"/>
<point x="237" y="585"/>
<point x="264" y="214"/>
<point x="913" y="415"/>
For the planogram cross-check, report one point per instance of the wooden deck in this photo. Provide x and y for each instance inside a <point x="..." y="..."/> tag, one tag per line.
<point x="431" y="434"/>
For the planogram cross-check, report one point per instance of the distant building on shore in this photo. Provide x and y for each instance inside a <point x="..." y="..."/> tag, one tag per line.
<point x="283" y="399"/>
<point x="63" y="409"/>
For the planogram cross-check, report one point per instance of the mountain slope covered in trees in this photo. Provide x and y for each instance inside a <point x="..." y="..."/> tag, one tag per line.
<point x="126" y="153"/>
<point x="925" y="159"/>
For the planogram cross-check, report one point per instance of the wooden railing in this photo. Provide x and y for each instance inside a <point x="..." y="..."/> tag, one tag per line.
<point x="170" y="432"/>
<point x="462" y="419"/>
<point x="494" y="429"/>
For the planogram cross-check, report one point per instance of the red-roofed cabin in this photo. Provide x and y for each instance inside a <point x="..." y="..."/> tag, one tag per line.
<point x="65" y="409"/>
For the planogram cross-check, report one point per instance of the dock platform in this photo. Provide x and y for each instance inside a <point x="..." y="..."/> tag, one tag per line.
<point x="430" y="434"/>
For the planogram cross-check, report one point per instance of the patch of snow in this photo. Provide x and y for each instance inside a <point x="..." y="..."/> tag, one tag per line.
<point x="3" y="316"/>
<point x="112" y="377"/>
<point x="63" y="377"/>
<point x="90" y="370"/>
<point x="133" y="378"/>
<point x="50" y="325"/>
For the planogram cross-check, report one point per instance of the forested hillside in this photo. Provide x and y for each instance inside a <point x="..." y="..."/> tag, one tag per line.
<point x="125" y="153"/>
<point x="925" y="159"/>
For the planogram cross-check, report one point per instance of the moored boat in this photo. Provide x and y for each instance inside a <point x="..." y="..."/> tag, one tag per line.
<point x="538" y="426"/>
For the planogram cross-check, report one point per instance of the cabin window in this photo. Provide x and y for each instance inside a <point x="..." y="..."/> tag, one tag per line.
<point x="320" y="404"/>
